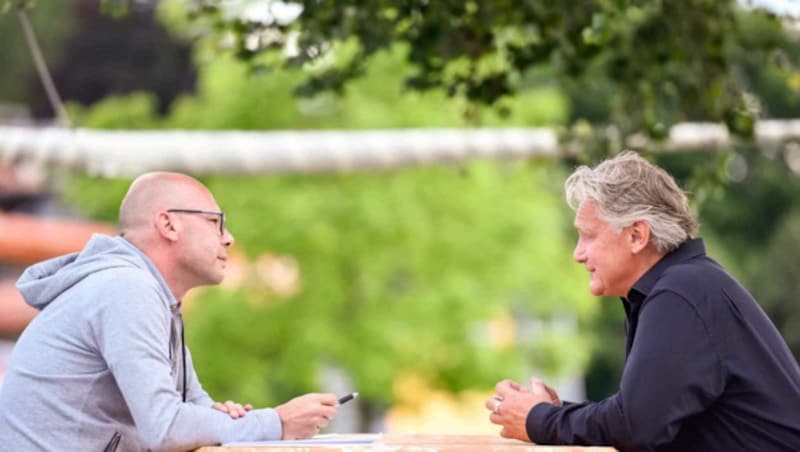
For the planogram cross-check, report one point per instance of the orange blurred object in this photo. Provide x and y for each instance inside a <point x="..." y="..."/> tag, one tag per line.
<point x="14" y="313"/>
<point x="27" y="239"/>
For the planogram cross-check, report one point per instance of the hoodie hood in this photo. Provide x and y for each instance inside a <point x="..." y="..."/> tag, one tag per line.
<point x="42" y="283"/>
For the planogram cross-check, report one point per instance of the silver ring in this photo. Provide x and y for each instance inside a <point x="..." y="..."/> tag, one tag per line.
<point x="497" y="406"/>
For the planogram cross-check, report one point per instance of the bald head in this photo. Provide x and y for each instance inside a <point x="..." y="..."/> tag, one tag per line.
<point x="154" y="192"/>
<point x="175" y="221"/>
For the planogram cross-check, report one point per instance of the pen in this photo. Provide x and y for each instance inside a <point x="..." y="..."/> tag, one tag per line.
<point x="347" y="398"/>
<point x="112" y="445"/>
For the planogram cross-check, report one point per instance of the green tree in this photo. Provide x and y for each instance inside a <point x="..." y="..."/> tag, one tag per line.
<point x="53" y="23"/>
<point x="775" y="277"/>
<point x="666" y="61"/>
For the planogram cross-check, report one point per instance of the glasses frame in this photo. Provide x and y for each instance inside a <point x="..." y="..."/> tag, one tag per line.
<point x="220" y="214"/>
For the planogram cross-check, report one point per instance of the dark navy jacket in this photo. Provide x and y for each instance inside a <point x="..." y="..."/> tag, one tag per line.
<point x="706" y="370"/>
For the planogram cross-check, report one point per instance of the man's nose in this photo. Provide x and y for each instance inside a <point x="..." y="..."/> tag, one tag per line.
<point x="227" y="238"/>
<point x="579" y="253"/>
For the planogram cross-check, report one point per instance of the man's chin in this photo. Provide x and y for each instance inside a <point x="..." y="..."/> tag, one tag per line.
<point x="215" y="279"/>
<point x="596" y="289"/>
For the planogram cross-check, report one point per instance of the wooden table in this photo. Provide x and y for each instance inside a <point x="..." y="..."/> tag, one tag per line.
<point x="426" y="443"/>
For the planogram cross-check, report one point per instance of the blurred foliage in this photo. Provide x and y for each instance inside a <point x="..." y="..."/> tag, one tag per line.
<point x="18" y="80"/>
<point x="776" y="278"/>
<point x="119" y="112"/>
<point x="665" y="61"/>
<point x="135" y="53"/>
<point x="229" y="98"/>
<point x="16" y="5"/>
<point x="115" y="8"/>
<point x="604" y="371"/>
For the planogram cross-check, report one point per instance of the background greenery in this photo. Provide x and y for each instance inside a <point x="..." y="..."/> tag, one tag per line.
<point x="430" y="271"/>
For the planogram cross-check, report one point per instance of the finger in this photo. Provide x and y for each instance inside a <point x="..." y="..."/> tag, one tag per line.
<point x="328" y="399"/>
<point x="504" y="384"/>
<point x="230" y="408"/>
<point x="491" y="403"/>
<point x="539" y="388"/>
<point x="220" y="407"/>
<point x="495" y="418"/>
<point x="553" y="395"/>
<point x="233" y="406"/>
<point x="248" y="407"/>
<point x="504" y="391"/>
<point x="234" y="409"/>
<point x="328" y="412"/>
<point x="536" y="381"/>
<point x="505" y="433"/>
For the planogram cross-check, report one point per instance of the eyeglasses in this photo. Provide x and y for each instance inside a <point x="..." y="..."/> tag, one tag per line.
<point x="221" y="216"/>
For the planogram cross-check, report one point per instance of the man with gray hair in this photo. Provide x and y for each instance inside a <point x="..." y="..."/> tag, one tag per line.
<point x="705" y="368"/>
<point x="104" y="365"/>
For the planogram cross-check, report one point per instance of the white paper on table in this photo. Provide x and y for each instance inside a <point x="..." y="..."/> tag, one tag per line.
<point x="332" y="439"/>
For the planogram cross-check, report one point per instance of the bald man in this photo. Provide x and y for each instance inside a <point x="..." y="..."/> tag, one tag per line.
<point x="104" y="362"/>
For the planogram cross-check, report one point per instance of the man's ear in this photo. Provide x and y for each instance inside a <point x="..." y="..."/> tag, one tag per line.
<point x="639" y="236"/>
<point x="167" y="226"/>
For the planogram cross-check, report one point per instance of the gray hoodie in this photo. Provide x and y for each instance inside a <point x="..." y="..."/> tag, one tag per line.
<point x="96" y="360"/>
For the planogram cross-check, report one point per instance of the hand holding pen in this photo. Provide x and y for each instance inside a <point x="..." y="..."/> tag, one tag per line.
<point x="304" y="416"/>
<point x="346" y="398"/>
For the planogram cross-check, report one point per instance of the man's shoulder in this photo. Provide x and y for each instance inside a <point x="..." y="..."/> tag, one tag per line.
<point x="113" y="287"/>
<point x="130" y="277"/>
<point x="693" y="278"/>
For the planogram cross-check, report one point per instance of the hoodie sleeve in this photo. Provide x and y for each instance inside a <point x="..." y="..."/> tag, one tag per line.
<point x="132" y="332"/>
<point x="673" y="372"/>
<point x="195" y="392"/>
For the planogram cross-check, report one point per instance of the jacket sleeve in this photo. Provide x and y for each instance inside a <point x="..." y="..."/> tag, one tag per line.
<point x="673" y="371"/>
<point x="132" y="335"/>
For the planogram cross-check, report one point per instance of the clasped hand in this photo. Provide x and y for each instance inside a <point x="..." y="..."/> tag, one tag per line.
<point x="512" y="402"/>
<point x="233" y="409"/>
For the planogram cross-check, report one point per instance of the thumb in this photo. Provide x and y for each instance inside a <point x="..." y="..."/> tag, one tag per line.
<point x="538" y="387"/>
<point x="553" y="395"/>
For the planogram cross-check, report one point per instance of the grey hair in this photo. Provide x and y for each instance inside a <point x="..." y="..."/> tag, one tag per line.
<point x="628" y="188"/>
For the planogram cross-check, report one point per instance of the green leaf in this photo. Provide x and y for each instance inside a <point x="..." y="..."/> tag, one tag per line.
<point x="16" y="5"/>
<point x="115" y="8"/>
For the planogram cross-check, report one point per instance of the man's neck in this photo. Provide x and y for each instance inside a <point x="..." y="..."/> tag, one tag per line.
<point x="159" y="255"/>
<point x="648" y="258"/>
